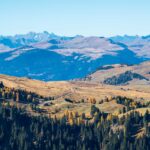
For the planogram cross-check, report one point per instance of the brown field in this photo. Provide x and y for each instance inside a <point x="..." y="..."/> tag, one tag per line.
<point x="78" y="91"/>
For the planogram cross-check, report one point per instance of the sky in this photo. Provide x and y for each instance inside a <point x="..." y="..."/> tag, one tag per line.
<point x="75" y="17"/>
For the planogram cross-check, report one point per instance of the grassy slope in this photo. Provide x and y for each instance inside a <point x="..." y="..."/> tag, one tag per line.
<point x="77" y="90"/>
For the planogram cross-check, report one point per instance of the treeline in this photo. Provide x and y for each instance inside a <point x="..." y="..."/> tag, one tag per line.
<point x="19" y="131"/>
<point x="130" y="104"/>
<point x="20" y="95"/>
<point x="123" y="78"/>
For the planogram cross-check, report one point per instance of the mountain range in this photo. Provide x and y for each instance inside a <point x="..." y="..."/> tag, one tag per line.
<point x="46" y="56"/>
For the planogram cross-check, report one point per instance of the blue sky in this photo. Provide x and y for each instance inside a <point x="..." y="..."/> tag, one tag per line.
<point x="71" y="17"/>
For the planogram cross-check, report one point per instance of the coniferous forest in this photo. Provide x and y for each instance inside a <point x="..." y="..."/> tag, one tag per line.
<point x="19" y="130"/>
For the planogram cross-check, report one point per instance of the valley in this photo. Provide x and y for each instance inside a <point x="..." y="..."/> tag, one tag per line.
<point x="82" y="91"/>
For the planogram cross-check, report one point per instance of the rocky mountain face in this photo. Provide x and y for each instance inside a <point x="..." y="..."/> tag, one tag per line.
<point x="49" y="57"/>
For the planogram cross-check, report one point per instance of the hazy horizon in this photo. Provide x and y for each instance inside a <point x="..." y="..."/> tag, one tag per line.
<point x="25" y="33"/>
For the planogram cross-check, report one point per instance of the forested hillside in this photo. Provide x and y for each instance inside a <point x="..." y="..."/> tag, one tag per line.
<point x="22" y="132"/>
<point x="124" y="78"/>
<point x="22" y="128"/>
<point x="121" y="74"/>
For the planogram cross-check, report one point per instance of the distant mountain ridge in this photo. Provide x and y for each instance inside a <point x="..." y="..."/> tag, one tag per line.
<point x="47" y="56"/>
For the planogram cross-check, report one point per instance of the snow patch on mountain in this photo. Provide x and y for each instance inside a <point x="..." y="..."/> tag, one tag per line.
<point x="4" y="48"/>
<point x="17" y="53"/>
